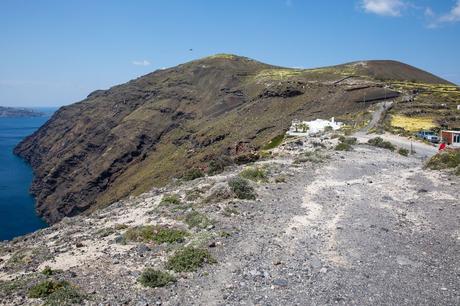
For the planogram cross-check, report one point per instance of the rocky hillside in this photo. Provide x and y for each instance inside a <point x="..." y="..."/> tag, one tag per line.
<point x="214" y="111"/>
<point x="310" y="225"/>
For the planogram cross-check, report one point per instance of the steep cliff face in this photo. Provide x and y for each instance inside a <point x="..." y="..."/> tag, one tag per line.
<point x="141" y="134"/>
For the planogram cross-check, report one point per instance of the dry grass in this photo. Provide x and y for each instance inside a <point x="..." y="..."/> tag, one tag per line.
<point x="277" y="74"/>
<point x="412" y="124"/>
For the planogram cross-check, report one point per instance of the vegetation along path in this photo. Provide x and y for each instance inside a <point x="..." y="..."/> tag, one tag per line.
<point x="381" y="232"/>
<point x="360" y="227"/>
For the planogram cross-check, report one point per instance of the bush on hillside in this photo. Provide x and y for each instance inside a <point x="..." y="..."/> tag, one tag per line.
<point x="242" y="188"/>
<point x="255" y="174"/>
<point x="218" y="165"/>
<point x="153" y="278"/>
<point x="379" y="142"/>
<point x="343" y="146"/>
<point x="312" y="157"/>
<point x="403" y="152"/>
<point x="275" y="142"/>
<point x="197" y="219"/>
<point x="193" y="174"/>
<point x="348" y="140"/>
<point x="189" y="259"/>
<point x="158" y="234"/>
<point x="45" y="288"/>
<point x="447" y="159"/>
<point x="170" y="199"/>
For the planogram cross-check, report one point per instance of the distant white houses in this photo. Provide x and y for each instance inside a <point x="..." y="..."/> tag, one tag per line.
<point x="306" y="128"/>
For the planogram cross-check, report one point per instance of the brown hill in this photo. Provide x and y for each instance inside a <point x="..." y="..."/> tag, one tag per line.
<point x="394" y="70"/>
<point x="141" y="134"/>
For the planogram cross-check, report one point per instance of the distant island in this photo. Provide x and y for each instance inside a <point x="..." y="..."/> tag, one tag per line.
<point x="9" y="112"/>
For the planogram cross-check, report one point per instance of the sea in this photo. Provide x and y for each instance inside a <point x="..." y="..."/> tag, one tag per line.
<point x="17" y="206"/>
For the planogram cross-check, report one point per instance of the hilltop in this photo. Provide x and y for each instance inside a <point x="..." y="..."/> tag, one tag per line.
<point x="219" y="110"/>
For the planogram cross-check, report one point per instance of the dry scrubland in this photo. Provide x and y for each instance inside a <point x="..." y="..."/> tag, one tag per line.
<point x="322" y="221"/>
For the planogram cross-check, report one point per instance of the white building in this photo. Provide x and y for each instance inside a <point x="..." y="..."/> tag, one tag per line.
<point x="306" y="128"/>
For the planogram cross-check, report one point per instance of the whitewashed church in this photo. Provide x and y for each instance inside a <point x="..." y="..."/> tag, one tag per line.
<point x="306" y="128"/>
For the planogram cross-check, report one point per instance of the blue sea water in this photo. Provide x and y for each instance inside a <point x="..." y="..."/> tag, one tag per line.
<point x="17" y="211"/>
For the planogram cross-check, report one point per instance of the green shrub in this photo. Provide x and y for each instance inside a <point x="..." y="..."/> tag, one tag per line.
<point x="379" y="142"/>
<point x="192" y="174"/>
<point x="218" y="165"/>
<point x="170" y="199"/>
<point x="403" y="152"/>
<point x="45" y="288"/>
<point x="255" y="174"/>
<point x="142" y="233"/>
<point x="343" y="146"/>
<point x="67" y="295"/>
<point x="189" y="259"/>
<point x="154" y="278"/>
<point x="275" y="142"/>
<point x="169" y="235"/>
<point x="444" y="160"/>
<point x="311" y="156"/>
<point x="197" y="219"/>
<point x="348" y="140"/>
<point x="47" y="271"/>
<point x="158" y="234"/>
<point x="242" y="188"/>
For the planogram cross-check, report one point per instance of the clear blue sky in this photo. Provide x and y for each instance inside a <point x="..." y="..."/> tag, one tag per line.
<point x="56" y="52"/>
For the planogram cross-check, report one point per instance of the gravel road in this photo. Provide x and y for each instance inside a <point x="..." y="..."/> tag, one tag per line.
<point x="382" y="232"/>
<point x="366" y="227"/>
<point x="422" y="150"/>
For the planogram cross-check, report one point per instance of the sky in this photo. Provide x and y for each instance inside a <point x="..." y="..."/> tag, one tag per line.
<point x="55" y="53"/>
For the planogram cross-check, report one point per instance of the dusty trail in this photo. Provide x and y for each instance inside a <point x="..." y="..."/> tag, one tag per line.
<point x="367" y="227"/>
<point x="374" y="233"/>
<point x="418" y="148"/>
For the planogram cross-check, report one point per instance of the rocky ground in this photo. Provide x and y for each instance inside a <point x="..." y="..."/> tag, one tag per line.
<point x="364" y="227"/>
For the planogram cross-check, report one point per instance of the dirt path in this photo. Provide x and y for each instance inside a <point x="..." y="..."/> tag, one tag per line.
<point x="381" y="232"/>
<point x="377" y="115"/>
<point x="419" y="149"/>
<point x="366" y="227"/>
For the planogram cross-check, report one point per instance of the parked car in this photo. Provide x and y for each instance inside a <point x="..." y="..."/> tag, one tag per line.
<point x="428" y="135"/>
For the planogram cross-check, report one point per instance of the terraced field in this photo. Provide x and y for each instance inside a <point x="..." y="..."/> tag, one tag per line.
<point x="424" y="106"/>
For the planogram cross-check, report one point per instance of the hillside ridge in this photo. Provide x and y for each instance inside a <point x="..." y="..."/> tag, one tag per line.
<point x="131" y="137"/>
